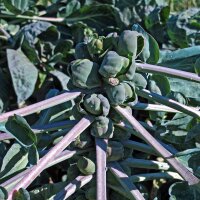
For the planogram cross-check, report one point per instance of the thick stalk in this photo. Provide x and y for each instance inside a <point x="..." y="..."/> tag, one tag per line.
<point x="181" y="169"/>
<point x="41" y="105"/>
<point x="56" y="150"/>
<point x="125" y="182"/>
<point x="168" y="102"/>
<point x="76" y="184"/>
<point x="155" y="69"/>
<point x="101" y="147"/>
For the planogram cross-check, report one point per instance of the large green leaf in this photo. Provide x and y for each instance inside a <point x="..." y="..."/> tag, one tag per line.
<point x="15" y="160"/>
<point x="183" y="28"/>
<point x="155" y="22"/>
<point x="182" y="59"/>
<point x="189" y="89"/>
<point x="20" y="129"/>
<point x="24" y="74"/>
<point x="182" y="191"/>
<point x="16" y="6"/>
<point x="174" y="131"/>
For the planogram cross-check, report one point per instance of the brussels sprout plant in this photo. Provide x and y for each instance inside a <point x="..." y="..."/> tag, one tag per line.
<point x="103" y="110"/>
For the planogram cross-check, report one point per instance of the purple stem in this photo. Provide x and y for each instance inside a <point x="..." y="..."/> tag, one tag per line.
<point x="181" y="169"/>
<point x="50" y="156"/>
<point x="101" y="147"/>
<point x="124" y="180"/>
<point x="167" y="71"/>
<point x="41" y="105"/>
<point x="76" y="184"/>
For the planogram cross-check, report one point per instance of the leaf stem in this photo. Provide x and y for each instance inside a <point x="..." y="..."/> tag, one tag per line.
<point x="42" y="128"/>
<point x="48" y="19"/>
<point x="181" y="169"/>
<point x="56" y="150"/>
<point x="76" y="184"/>
<point x="101" y="147"/>
<point x="143" y="67"/>
<point x="124" y="180"/>
<point x="156" y="107"/>
<point x="41" y="105"/>
<point x="168" y="102"/>
<point x="10" y="183"/>
<point x="139" y="147"/>
<point x="146" y="164"/>
<point x="157" y="175"/>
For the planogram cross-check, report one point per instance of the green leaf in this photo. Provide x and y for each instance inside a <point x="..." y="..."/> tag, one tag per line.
<point x="16" y="6"/>
<point x="155" y="22"/>
<point x="174" y="131"/>
<point x="182" y="59"/>
<point x="47" y="191"/>
<point x="3" y="193"/>
<point x="5" y="90"/>
<point x="23" y="73"/>
<point x="159" y="84"/>
<point x="20" y="129"/>
<point x="150" y="53"/>
<point x="71" y="7"/>
<point x="182" y="191"/>
<point x="15" y="160"/>
<point x="182" y="30"/>
<point x="189" y="89"/>
<point x="190" y="158"/>
<point x="197" y="66"/>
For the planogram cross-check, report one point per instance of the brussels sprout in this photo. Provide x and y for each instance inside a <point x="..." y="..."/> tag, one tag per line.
<point x="72" y="172"/>
<point x="121" y="134"/>
<point x="115" y="151"/>
<point x="116" y="117"/>
<point x="86" y="166"/>
<point x="110" y="41"/>
<point x="139" y="80"/>
<point x="128" y="43"/>
<point x="121" y="94"/>
<point x="81" y="51"/>
<point x="90" y="194"/>
<point x="96" y="104"/>
<point x="129" y="74"/>
<point x="83" y="141"/>
<point x="95" y="46"/>
<point x="84" y="74"/>
<point x="102" y="127"/>
<point x="113" y="65"/>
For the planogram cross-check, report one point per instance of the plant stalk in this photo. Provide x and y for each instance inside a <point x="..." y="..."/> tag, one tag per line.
<point x="146" y="164"/>
<point x="139" y="147"/>
<point x="101" y="147"/>
<point x="124" y="180"/>
<point x="41" y="105"/>
<point x="181" y="169"/>
<point x="158" y="175"/>
<point x="56" y="150"/>
<point x="143" y="67"/>
<point x="168" y="102"/>
<point x="76" y="184"/>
